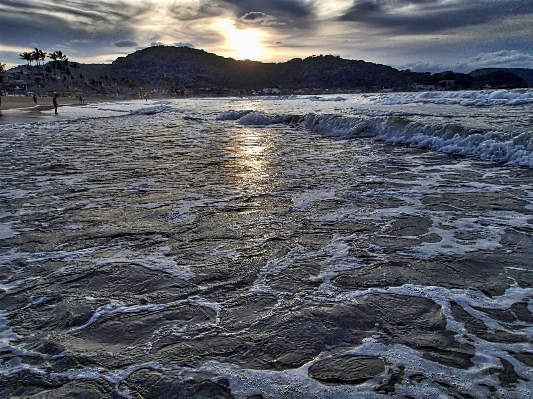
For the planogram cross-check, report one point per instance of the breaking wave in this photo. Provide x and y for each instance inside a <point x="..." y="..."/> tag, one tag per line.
<point x="449" y="138"/>
<point x="466" y="98"/>
<point x="150" y="110"/>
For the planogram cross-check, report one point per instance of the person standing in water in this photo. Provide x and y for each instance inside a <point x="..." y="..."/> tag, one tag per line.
<point x="55" y="102"/>
<point x="35" y="98"/>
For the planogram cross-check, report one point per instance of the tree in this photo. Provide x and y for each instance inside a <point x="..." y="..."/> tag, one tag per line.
<point x="42" y="55"/>
<point x="27" y="57"/>
<point x="53" y="57"/>
<point x="2" y="67"/>
<point x="38" y="55"/>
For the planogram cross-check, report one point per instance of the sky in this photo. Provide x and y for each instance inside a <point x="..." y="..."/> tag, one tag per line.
<point x="421" y="35"/>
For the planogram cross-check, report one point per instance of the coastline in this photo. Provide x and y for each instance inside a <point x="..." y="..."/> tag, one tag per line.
<point x="16" y="109"/>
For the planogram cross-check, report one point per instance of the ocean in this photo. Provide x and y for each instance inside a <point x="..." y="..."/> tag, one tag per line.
<point x="334" y="246"/>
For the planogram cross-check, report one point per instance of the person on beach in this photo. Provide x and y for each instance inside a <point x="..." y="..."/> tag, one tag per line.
<point x="35" y="98"/>
<point x="55" y="102"/>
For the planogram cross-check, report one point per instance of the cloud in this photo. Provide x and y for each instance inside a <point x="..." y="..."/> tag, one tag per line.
<point x="497" y="59"/>
<point x="126" y="43"/>
<point x="260" y="19"/>
<point x="203" y="9"/>
<point x="503" y="59"/>
<point x="296" y="13"/>
<point x="254" y="16"/>
<point x="153" y="44"/>
<point x="431" y="16"/>
<point x="52" y="24"/>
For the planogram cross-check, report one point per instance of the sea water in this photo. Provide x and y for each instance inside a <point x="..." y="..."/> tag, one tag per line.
<point x="335" y="246"/>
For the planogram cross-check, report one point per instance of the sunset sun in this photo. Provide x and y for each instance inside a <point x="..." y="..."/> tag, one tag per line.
<point x="243" y="43"/>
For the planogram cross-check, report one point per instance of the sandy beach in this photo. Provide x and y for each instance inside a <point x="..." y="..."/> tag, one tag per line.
<point x="18" y="109"/>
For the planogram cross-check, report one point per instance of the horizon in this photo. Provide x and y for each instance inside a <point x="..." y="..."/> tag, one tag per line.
<point x="404" y="34"/>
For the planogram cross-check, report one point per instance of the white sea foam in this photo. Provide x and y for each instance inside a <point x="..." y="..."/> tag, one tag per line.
<point x="448" y="138"/>
<point x="233" y="115"/>
<point x="150" y="110"/>
<point x="451" y="138"/>
<point x="318" y="98"/>
<point x="465" y="98"/>
<point x="158" y="260"/>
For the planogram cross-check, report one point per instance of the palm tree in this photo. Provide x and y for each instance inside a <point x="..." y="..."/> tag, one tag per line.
<point x="27" y="57"/>
<point x="42" y="55"/>
<point x="53" y="56"/>
<point x="35" y="55"/>
<point x="38" y="55"/>
<point x="59" y="58"/>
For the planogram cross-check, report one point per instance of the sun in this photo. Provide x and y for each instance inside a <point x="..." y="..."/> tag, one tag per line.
<point x="244" y="44"/>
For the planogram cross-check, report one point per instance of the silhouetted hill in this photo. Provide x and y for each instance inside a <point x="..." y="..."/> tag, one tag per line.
<point x="524" y="73"/>
<point x="186" y="67"/>
<point x="164" y="70"/>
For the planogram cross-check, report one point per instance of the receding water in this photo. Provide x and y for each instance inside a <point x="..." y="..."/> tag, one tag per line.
<point x="364" y="247"/>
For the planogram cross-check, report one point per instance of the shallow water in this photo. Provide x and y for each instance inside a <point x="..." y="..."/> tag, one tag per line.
<point x="329" y="247"/>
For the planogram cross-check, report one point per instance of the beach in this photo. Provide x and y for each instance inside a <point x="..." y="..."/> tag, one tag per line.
<point x="361" y="246"/>
<point x="22" y="109"/>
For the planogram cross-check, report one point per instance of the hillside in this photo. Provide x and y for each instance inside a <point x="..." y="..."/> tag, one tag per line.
<point x="524" y="73"/>
<point x="186" y="67"/>
<point x="183" y="67"/>
<point x="164" y="70"/>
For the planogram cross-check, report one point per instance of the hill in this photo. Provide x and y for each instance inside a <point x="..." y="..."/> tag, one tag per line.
<point x="186" y="67"/>
<point x="524" y="73"/>
<point x="164" y="70"/>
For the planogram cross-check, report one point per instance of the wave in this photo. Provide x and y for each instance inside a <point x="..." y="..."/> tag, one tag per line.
<point x="318" y="98"/>
<point x="449" y="138"/>
<point x="150" y="110"/>
<point x="233" y="115"/>
<point x="477" y="98"/>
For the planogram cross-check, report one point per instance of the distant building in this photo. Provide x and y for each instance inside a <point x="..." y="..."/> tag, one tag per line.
<point x="420" y="87"/>
<point x="16" y="87"/>
<point x="447" y="83"/>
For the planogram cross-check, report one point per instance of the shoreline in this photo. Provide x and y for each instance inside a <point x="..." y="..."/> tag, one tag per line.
<point x="24" y="110"/>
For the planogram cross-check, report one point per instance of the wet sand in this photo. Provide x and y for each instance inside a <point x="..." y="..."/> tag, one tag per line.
<point x="16" y="109"/>
<point x="168" y="256"/>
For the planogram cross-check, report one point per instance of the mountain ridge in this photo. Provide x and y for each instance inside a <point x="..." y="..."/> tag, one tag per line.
<point x="185" y="67"/>
<point x="183" y="70"/>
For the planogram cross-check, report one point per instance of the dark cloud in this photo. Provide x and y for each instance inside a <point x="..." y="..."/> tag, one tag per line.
<point x="126" y="43"/>
<point x="23" y="22"/>
<point x="260" y="18"/>
<point x="254" y="16"/>
<point x="432" y="16"/>
<point x="297" y="9"/>
<point x="293" y="13"/>
<point x="204" y="9"/>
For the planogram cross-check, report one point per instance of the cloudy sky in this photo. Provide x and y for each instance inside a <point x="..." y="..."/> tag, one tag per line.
<point x="423" y="35"/>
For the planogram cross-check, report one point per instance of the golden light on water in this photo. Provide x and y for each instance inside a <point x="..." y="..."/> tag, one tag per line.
<point x="243" y="44"/>
<point x="252" y="170"/>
